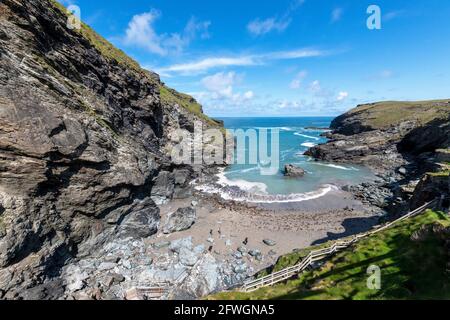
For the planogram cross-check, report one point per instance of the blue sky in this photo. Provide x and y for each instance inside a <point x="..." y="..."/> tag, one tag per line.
<point x="284" y="57"/>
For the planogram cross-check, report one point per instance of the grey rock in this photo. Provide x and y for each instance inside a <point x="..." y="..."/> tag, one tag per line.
<point x="242" y="249"/>
<point x="270" y="243"/>
<point x="188" y="257"/>
<point x="183" y="243"/>
<point x="106" y="266"/>
<point x="161" y="245"/>
<point x="141" y="222"/>
<point x="293" y="171"/>
<point x="254" y="252"/>
<point x="163" y="187"/>
<point x="240" y="268"/>
<point x="180" y="220"/>
<point x="238" y="255"/>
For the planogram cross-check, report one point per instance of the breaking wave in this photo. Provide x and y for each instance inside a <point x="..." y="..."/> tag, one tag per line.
<point x="306" y="136"/>
<point x="335" y="166"/>
<point x="309" y="144"/>
<point x="256" y="192"/>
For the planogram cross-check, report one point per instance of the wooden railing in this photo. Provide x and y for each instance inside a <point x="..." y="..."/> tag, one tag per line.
<point x="320" y="254"/>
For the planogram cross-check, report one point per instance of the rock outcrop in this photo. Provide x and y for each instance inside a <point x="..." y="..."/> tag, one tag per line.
<point x="292" y="171"/>
<point x="85" y="142"/>
<point x="400" y="142"/>
<point x="180" y="220"/>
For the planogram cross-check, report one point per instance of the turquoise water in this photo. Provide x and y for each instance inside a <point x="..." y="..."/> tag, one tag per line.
<point x="294" y="140"/>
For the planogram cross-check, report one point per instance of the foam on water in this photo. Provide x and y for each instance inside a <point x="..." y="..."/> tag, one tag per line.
<point x="335" y="166"/>
<point x="306" y="136"/>
<point x="309" y="144"/>
<point x="251" y="197"/>
<point x="246" y="183"/>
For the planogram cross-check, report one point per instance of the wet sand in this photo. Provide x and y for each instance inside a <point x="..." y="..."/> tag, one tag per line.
<point x="291" y="225"/>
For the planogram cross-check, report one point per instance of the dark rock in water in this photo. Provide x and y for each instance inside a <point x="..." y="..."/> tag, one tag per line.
<point x="293" y="171"/>
<point x="180" y="220"/>
<point x="269" y="242"/>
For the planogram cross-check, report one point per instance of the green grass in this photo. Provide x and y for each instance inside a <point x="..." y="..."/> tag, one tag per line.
<point x="391" y="113"/>
<point x="444" y="173"/>
<point x="409" y="270"/>
<point x="170" y="96"/>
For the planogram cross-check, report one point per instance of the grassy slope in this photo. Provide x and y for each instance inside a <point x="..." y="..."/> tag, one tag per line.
<point x="111" y="53"/>
<point x="390" y="113"/>
<point x="410" y="270"/>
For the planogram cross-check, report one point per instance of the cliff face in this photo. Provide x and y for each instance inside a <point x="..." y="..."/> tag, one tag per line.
<point x="382" y="135"/>
<point x="84" y="142"/>
<point x="399" y="141"/>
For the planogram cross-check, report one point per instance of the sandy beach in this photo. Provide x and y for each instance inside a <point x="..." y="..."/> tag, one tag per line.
<point x="223" y="227"/>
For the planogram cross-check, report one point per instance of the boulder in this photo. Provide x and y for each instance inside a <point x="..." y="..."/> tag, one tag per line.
<point x="293" y="171"/>
<point x="180" y="220"/>
<point x="163" y="187"/>
<point x="142" y="221"/>
<point x="270" y="243"/>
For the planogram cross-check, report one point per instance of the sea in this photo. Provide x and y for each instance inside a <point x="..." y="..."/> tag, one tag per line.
<point x="246" y="182"/>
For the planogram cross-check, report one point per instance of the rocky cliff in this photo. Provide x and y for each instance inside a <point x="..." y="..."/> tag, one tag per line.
<point x="85" y="138"/>
<point x="400" y="142"/>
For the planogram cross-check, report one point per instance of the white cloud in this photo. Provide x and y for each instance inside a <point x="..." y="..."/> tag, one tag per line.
<point x="141" y="33"/>
<point x="249" y="95"/>
<point x="245" y="60"/>
<point x="294" y="54"/>
<point x="392" y="15"/>
<point x="336" y="14"/>
<point x="385" y="74"/>
<point x="259" y="27"/>
<point x="315" y="86"/>
<point x="342" y="96"/>
<point x="220" y="91"/>
<point x="382" y="75"/>
<point x="221" y="83"/>
<point x="209" y="63"/>
<point x="297" y="81"/>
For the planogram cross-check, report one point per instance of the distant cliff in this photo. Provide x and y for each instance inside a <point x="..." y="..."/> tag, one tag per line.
<point x="85" y="137"/>
<point x="401" y="141"/>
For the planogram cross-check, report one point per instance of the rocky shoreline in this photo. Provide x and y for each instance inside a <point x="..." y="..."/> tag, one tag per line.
<point x="400" y="151"/>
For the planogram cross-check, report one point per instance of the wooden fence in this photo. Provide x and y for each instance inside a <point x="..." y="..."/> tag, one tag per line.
<point x="320" y="254"/>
